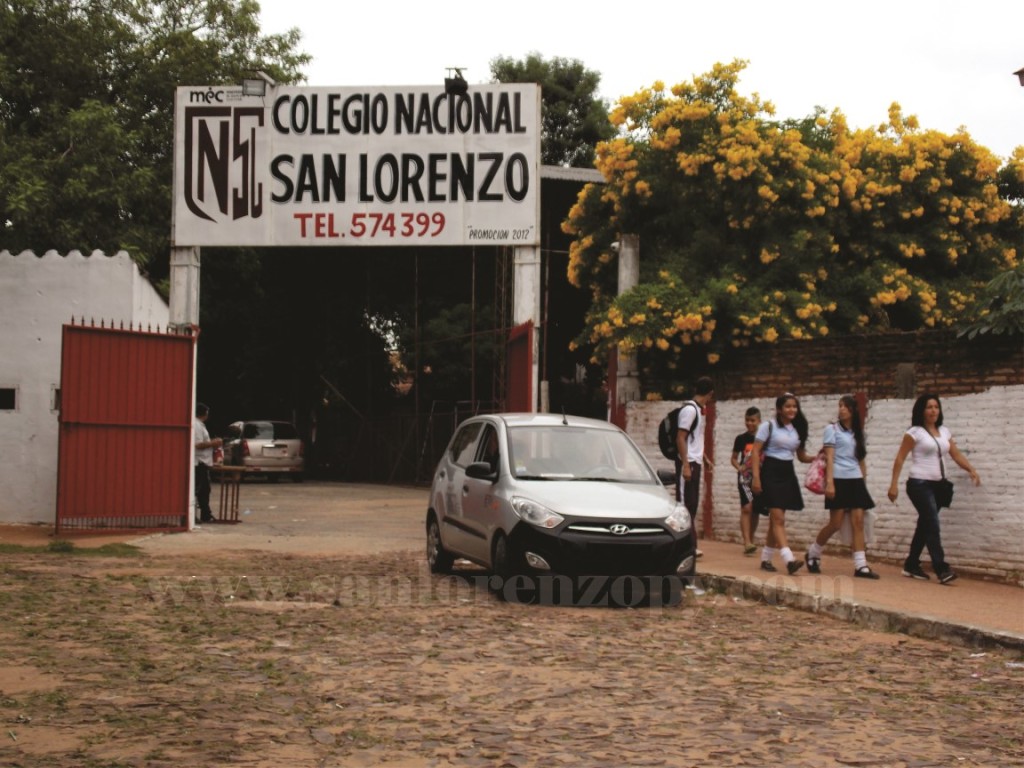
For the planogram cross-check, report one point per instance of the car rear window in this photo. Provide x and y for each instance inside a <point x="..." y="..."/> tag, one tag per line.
<point x="269" y="430"/>
<point x="283" y="431"/>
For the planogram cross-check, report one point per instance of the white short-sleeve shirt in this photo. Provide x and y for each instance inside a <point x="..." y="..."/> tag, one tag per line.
<point x="695" y="440"/>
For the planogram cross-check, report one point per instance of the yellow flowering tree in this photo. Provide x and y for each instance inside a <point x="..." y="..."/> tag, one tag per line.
<point x="754" y="229"/>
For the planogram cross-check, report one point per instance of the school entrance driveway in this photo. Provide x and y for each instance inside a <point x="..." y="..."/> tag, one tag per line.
<point x="311" y="518"/>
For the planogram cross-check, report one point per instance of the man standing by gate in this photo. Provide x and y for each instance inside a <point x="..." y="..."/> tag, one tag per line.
<point x="204" y="459"/>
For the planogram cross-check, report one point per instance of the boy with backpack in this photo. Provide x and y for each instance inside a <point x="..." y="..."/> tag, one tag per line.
<point x="688" y="448"/>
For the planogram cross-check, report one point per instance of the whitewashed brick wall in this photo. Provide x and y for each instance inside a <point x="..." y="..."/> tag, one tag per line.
<point x="983" y="530"/>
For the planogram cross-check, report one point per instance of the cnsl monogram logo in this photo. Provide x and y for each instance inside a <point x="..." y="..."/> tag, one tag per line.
<point x="220" y="162"/>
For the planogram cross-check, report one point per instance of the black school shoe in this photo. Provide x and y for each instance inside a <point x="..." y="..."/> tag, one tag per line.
<point x="794" y="565"/>
<point x="946" y="577"/>
<point x="766" y="565"/>
<point x="814" y="565"/>
<point x="865" y="573"/>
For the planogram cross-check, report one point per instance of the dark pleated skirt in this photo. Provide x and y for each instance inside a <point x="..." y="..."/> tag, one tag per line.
<point x="779" y="487"/>
<point x="850" y="494"/>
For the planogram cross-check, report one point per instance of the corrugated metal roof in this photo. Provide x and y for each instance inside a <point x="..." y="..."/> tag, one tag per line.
<point x="561" y="173"/>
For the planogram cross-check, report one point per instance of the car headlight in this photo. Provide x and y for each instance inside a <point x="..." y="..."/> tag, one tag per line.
<point x="534" y="513"/>
<point x="679" y="519"/>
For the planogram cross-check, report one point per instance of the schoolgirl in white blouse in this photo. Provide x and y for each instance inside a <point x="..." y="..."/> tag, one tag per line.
<point x="781" y="440"/>
<point x="846" y="492"/>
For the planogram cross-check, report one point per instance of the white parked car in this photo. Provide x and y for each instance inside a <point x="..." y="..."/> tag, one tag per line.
<point x="529" y="494"/>
<point x="272" y="449"/>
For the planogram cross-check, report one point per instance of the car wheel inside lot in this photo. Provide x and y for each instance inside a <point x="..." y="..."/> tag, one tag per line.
<point x="439" y="559"/>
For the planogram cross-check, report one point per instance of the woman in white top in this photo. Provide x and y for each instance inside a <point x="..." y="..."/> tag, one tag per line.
<point x="928" y="442"/>
<point x="846" y="493"/>
<point x="780" y="440"/>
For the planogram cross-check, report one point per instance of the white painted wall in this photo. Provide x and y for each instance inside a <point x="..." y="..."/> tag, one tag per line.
<point x="38" y="295"/>
<point x="983" y="530"/>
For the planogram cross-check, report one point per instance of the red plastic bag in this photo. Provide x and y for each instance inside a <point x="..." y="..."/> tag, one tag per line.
<point x="814" y="481"/>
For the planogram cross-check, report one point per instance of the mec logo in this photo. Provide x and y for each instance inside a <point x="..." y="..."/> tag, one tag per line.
<point x="220" y="162"/>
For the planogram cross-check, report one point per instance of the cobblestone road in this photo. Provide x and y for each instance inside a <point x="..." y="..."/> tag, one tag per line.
<point x="264" y="659"/>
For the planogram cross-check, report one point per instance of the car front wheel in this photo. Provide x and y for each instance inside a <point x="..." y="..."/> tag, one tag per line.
<point x="510" y="581"/>
<point x="439" y="559"/>
<point x="501" y="559"/>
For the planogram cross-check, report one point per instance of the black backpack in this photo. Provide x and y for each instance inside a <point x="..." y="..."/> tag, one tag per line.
<point x="668" y="428"/>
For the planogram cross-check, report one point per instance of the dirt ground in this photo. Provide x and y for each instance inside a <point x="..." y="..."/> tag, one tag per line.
<point x="113" y="656"/>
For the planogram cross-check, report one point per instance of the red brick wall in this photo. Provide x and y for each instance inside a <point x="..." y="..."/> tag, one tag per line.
<point x="883" y="366"/>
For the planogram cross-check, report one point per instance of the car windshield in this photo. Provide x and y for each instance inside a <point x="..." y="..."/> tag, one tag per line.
<point x="560" y="452"/>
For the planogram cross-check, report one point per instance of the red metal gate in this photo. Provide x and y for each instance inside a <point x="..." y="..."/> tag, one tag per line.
<point x="124" y="450"/>
<point x="519" y="392"/>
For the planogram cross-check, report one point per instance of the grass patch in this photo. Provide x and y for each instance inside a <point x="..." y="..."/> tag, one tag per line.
<point x="64" y="547"/>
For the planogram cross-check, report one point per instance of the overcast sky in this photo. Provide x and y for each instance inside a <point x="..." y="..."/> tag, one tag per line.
<point x="949" y="63"/>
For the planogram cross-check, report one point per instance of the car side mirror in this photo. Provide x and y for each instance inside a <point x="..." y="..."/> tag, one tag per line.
<point x="667" y="477"/>
<point x="481" y="470"/>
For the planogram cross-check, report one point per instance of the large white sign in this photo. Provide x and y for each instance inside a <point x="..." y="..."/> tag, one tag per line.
<point x="357" y="166"/>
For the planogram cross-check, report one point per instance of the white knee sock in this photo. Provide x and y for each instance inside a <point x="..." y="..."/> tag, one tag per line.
<point x="767" y="554"/>
<point x="860" y="560"/>
<point x="787" y="555"/>
<point x="814" y="551"/>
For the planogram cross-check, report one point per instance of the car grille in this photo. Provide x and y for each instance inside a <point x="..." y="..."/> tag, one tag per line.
<point x="590" y="547"/>
<point x="606" y="529"/>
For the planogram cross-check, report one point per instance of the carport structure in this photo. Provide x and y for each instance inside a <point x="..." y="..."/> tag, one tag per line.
<point x="342" y="167"/>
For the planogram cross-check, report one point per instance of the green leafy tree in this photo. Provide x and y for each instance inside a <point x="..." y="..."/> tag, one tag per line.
<point x="573" y="119"/>
<point x="754" y="229"/>
<point x="999" y="307"/>
<point x="86" y="112"/>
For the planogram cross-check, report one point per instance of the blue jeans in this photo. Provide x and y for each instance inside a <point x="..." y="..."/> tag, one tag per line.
<point x="927" y="533"/>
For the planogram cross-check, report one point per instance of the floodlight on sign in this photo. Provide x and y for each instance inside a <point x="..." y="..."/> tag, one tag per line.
<point x="455" y="84"/>
<point x="254" y="87"/>
<point x="257" y="84"/>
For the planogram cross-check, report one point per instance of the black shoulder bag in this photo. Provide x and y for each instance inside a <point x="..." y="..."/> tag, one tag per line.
<point x="944" y="487"/>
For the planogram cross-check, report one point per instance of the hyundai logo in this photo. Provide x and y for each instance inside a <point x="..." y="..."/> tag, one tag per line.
<point x="619" y="529"/>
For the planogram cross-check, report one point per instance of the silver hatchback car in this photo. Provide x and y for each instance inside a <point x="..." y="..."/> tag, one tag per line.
<point x="527" y="494"/>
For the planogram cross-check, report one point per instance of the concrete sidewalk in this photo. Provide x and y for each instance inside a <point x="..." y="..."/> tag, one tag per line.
<point x="970" y="611"/>
<point x="332" y="519"/>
